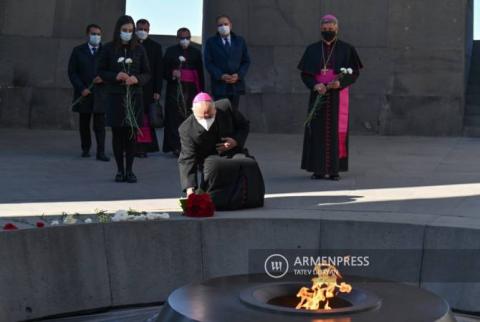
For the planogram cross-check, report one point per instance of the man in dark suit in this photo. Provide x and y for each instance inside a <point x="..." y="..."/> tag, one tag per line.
<point x="88" y="96"/>
<point x="213" y="140"/>
<point x="148" y="142"/>
<point x="227" y="61"/>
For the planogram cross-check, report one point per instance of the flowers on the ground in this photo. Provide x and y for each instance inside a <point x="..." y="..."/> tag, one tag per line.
<point x="55" y="223"/>
<point x="88" y="221"/>
<point x="9" y="226"/>
<point x="198" y="205"/>
<point x="40" y="224"/>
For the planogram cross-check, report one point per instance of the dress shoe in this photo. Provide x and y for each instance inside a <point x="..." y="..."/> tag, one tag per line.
<point x="120" y="177"/>
<point x="334" y="177"/>
<point x="85" y="154"/>
<point x="131" y="178"/>
<point x="317" y="176"/>
<point x="102" y="157"/>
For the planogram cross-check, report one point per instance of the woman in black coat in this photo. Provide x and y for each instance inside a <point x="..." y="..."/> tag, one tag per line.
<point x="124" y="64"/>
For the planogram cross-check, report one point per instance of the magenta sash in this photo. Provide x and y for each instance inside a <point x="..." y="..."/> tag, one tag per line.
<point x="343" y="111"/>
<point x="145" y="134"/>
<point x="190" y="76"/>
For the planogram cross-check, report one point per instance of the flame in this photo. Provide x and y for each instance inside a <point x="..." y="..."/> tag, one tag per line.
<point x="325" y="287"/>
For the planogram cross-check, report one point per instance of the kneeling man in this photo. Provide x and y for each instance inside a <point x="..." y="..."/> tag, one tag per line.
<point x="212" y="141"/>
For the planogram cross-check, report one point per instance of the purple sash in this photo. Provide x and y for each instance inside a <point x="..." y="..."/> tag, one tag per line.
<point x="343" y="110"/>
<point x="190" y="76"/>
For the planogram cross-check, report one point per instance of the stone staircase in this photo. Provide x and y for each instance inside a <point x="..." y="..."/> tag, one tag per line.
<point x="472" y="106"/>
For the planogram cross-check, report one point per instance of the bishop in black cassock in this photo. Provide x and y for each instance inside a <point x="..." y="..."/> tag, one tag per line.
<point x="325" y="146"/>
<point x="213" y="144"/>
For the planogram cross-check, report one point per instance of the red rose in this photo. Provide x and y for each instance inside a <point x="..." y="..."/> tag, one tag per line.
<point x="9" y="226"/>
<point x="40" y="224"/>
<point x="200" y="206"/>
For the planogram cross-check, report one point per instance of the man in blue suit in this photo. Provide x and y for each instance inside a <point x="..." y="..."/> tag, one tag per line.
<point x="88" y="96"/>
<point x="227" y="61"/>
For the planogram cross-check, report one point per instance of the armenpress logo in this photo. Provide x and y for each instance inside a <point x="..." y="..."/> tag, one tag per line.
<point x="276" y="266"/>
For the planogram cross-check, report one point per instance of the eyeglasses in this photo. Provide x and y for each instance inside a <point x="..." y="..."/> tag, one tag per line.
<point x="223" y="24"/>
<point x="184" y="38"/>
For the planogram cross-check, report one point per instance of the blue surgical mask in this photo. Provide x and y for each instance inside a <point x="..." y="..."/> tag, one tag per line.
<point x="224" y="30"/>
<point x="142" y="34"/>
<point x="126" y="36"/>
<point x="94" y="40"/>
<point x="184" y="43"/>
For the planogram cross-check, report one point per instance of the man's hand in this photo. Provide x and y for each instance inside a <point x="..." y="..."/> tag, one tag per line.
<point x="334" y="85"/>
<point x="97" y="80"/>
<point x="156" y="96"/>
<point x="190" y="191"/>
<point x="320" y="88"/>
<point x="228" y="144"/>
<point x="233" y="79"/>
<point x="227" y="78"/>
<point x="86" y="92"/>
<point x="132" y="80"/>
<point x="122" y="76"/>
<point x="176" y="74"/>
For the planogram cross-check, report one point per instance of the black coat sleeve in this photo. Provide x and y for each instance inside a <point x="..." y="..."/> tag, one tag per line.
<point x="200" y="72"/>
<point x="143" y="75"/>
<point x="159" y="61"/>
<point x="354" y="63"/>
<point x="104" y="70"/>
<point x="73" y="63"/>
<point x="187" y="162"/>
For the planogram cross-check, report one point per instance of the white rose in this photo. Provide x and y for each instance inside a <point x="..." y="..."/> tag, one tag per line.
<point x="165" y="215"/>
<point x="343" y="70"/>
<point x="55" y="223"/>
<point x="139" y="218"/>
<point x="350" y="71"/>
<point x="69" y="221"/>
<point x="88" y="221"/>
<point x="120" y="215"/>
<point x="121" y="60"/>
<point x="128" y="61"/>
<point x="182" y="59"/>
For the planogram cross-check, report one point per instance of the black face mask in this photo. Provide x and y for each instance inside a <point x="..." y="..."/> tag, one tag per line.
<point x="329" y="35"/>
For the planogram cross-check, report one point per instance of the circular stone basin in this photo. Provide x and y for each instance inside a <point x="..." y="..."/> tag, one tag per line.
<point x="253" y="298"/>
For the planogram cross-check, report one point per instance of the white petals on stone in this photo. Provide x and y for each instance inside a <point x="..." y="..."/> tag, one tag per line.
<point x="88" y="221"/>
<point x="55" y="223"/>
<point x="155" y="216"/>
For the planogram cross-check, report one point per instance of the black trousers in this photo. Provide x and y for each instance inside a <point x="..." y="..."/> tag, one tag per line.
<point x="123" y="143"/>
<point x="234" y="100"/>
<point x="98" y="129"/>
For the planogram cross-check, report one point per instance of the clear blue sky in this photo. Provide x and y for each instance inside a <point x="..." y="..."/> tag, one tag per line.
<point x="166" y="16"/>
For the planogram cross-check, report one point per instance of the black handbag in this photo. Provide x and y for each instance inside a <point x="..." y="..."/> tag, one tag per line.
<point x="157" y="118"/>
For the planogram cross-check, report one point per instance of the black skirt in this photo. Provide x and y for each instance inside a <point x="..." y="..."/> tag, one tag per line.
<point x="116" y="111"/>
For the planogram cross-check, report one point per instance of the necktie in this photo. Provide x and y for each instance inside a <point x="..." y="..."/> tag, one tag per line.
<point x="94" y="50"/>
<point x="227" y="44"/>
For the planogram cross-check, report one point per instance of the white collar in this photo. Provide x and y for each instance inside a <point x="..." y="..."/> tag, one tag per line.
<point x="90" y="46"/>
<point x="228" y="38"/>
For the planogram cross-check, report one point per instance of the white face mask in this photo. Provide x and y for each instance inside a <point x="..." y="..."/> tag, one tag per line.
<point x="224" y="30"/>
<point x="94" y="40"/>
<point x="126" y="36"/>
<point x="206" y="123"/>
<point x="184" y="43"/>
<point x="142" y="34"/>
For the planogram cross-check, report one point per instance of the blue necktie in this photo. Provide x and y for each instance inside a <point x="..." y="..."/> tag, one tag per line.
<point x="94" y="51"/>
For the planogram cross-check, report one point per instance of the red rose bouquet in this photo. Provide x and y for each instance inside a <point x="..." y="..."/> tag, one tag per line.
<point x="198" y="205"/>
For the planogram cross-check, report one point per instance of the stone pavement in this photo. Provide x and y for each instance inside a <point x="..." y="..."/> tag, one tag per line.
<point x="432" y="180"/>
